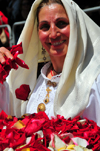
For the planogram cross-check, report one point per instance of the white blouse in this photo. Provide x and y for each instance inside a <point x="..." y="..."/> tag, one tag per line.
<point x="39" y="94"/>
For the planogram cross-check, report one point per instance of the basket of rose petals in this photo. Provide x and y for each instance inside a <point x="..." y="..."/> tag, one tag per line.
<point x="36" y="132"/>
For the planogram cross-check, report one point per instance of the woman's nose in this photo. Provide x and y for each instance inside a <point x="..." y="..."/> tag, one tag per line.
<point x="53" y="32"/>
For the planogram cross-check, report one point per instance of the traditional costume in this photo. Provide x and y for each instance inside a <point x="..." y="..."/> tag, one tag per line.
<point x="81" y="66"/>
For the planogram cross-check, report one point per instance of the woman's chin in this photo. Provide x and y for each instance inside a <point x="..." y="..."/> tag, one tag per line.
<point x="58" y="52"/>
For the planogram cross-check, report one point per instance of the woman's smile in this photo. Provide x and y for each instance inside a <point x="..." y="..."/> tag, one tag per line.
<point x="57" y="43"/>
<point x="54" y="30"/>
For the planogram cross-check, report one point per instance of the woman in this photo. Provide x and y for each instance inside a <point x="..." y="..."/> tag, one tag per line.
<point x="71" y="40"/>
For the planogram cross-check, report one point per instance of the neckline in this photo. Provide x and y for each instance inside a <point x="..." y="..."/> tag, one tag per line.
<point x="55" y="78"/>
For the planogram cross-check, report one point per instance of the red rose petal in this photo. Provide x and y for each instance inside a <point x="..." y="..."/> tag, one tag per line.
<point x="21" y="63"/>
<point x="22" y="92"/>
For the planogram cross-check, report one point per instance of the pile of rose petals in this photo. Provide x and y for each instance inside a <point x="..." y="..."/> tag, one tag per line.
<point x="36" y="132"/>
<point x="9" y="64"/>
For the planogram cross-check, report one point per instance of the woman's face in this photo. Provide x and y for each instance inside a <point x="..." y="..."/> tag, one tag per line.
<point x="54" y="29"/>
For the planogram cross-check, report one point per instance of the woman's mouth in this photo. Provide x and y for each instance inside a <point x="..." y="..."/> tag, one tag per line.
<point x="57" y="43"/>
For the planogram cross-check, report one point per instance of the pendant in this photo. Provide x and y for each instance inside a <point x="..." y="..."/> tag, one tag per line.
<point x="41" y="107"/>
<point x="48" y="90"/>
<point x="46" y="100"/>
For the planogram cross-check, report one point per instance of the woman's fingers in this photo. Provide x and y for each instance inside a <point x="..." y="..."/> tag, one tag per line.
<point x="5" y="52"/>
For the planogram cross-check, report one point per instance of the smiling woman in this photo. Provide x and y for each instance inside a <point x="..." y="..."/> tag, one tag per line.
<point x="60" y="34"/>
<point x="54" y="31"/>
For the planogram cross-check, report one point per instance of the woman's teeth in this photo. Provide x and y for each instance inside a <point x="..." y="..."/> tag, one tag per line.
<point x="58" y="43"/>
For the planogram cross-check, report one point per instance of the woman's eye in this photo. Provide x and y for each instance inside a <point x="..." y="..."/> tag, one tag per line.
<point x="61" y="24"/>
<point x="44" y="27"/>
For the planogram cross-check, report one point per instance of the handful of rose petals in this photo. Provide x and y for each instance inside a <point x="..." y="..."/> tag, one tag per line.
<point x="36" y="132"/>
<point x="9" y="64"/>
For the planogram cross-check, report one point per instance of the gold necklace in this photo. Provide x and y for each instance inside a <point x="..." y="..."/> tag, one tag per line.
<point x="41" y="106"/>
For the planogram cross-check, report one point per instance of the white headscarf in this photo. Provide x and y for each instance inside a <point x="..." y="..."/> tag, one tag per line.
<point x="81" y="66"/>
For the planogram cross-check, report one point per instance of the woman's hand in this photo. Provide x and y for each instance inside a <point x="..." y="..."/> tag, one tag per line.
<point x="5" y="52"/>
<point x="9" y="60"/>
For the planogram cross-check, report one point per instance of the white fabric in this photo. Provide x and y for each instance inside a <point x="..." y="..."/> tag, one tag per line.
<point x="4" y="97"/>
<point x="92" y="110"/>
<point x="81" y="66"/>
<point x="39" y="93"/>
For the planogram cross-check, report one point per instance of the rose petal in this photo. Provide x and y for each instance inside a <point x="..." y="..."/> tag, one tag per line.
<point x="80" y="141"/>
<point x="21" y="63"/>
<point x="22" y="92"/>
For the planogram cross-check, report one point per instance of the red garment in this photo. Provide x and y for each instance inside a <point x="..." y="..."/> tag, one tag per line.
<point x="4" y="20"/>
